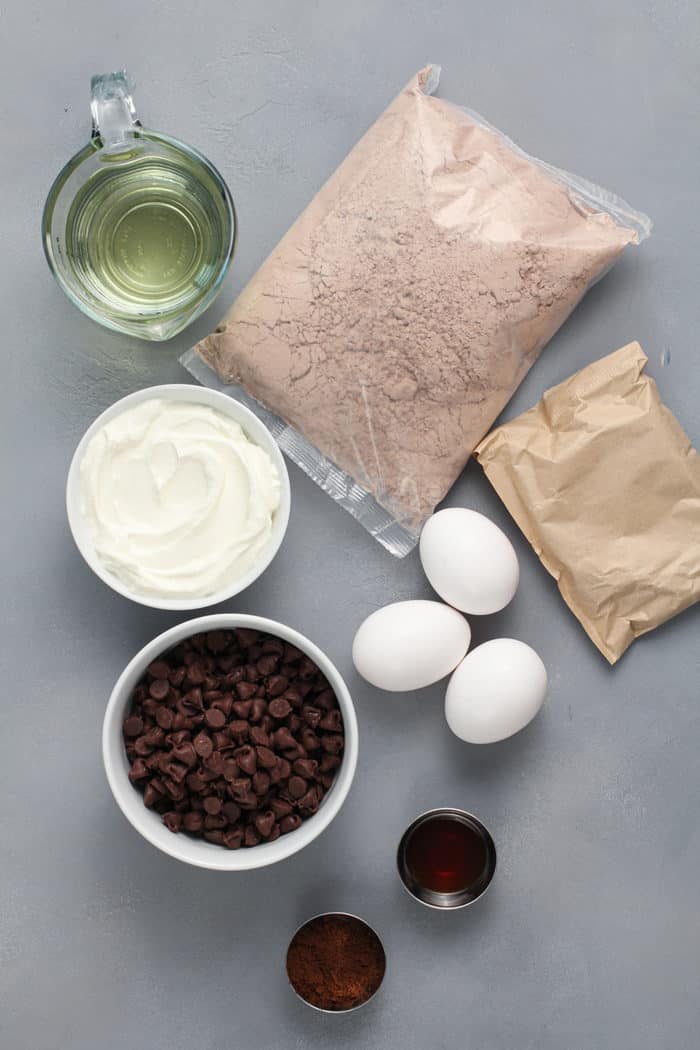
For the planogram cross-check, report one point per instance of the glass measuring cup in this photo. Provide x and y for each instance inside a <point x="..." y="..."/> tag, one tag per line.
<point x="138" y="228"/>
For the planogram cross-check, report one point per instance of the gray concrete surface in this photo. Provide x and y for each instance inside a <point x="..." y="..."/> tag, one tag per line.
<point x="590" y="936"/>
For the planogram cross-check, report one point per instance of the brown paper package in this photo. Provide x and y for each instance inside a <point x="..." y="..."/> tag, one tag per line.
<point x="605" y="485"/>
<point x="394" y="320"/>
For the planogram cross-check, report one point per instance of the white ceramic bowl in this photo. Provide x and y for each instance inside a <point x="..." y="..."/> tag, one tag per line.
<point x="196" y="851"/>
<point x="254" y="429"/>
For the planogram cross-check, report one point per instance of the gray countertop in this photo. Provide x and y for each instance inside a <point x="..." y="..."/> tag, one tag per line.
<point x="590" y="936"/>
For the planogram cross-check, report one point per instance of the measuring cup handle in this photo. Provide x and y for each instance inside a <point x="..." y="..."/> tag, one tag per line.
<point x="114" y="119"/>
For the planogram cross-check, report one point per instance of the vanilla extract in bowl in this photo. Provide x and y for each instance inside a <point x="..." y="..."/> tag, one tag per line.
<point x="446" y="858"/>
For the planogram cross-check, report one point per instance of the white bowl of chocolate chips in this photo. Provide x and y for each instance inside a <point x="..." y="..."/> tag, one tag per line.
<point x="230" y="742"/>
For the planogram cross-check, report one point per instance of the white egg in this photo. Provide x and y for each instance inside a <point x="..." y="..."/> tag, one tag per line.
<point x="408" y="645"/>
<point x="496" y="690"/>
<point x="469" y="561"/>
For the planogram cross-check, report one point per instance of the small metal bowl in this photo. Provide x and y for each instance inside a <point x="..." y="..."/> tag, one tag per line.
<point x="461" y="898"/>
<point x="351" y="918"/>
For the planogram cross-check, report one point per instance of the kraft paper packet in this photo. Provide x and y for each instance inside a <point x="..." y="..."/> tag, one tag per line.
<point x="605" y="485"/>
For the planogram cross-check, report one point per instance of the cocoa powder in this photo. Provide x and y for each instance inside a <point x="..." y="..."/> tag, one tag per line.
<point x="397" y="316"/>
<point x="335" y="962"/>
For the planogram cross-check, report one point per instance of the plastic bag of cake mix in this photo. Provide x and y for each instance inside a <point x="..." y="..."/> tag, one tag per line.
<point x="394" y="320"/>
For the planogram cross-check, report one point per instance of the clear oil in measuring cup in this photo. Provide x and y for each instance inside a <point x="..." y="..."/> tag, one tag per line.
<point x="146" y="236"/>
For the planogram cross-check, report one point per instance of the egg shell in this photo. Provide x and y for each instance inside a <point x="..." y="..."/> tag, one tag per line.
<point x="469" y="561"/>
<point x="496" y="690"/>
<point x="408" y="645"/>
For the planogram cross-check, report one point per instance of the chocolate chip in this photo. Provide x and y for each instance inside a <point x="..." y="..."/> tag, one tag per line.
<point x="284" y="767"/>
<point x="290" y="823"/>
<point x="133" y="726"/>
<point x="212" y="804"/>
<point x="164" y="717"/>
<point x="214" y="763"/>
<point x="249" y="800"/>
<point x="231" y="769"/>
<point x="222" y="741"/>
<point x="233" y="676"/>
<point x="257" y="709"/>
<point x="251" y="836"/>
<point x="182" y="721"/>
<point x="279" y="707"/>
<point x="264" y="822"/>
<point x="203" y="745"/>
<point x="296" y="786"/>
<point x="292" y="753"/>
<point x="159" y="688"/>
<point x="195" y="673"/>
<point x="192" y="701"/>
<point x="265" y="757"/>
<point x="240" y="786"/>
<point x="268" y="664"/>
<point x="177" y="677"/>
<point x="215" y="718"/>
<point x="239" y="730"/>
<point x="311" y="715"/>
<point x="329" y="763"/>
<point x="151" y="795"/>
<point x="224" y="703"/>
<point x="325" y="700"/>
<point x="309" y="801"/>
<point x="280" y="807"/>
<point x="217" y="837"/>
<point x="259" y="736"/>
<point x="291" y="653"/>
<point x="172" y="821"/>
<point x="245" y="690"/>
<point x="305" y="767"/>
<point x="142" y="747"/>
<point x="246" y="758"/>
<point x="326" y="779"/>
<point x="308" y="739"/>
<point x="231" y="811"/>
<point x="307" y="668"/>
<point x="293" y="697"/>
<point x="176" y="771"/>
<point x="261" y="782"/>
<point x="173" y="790"/>
<point x="155" y="736"/>
<point x="333" y="744"/>
<point x="193" y="822"/>
<point x="158" y="669"/>
<point x="331" y="721"/>
<point x="294" y="723"/>
<point x="217" y="641"/>
<point x="272" y="645"/>
<point x="282" y="738"/>
<point x="233" y="839"/>
<point x="276" y="684"/>
<point x="246" y="637"/>
<point x="185" y="753"/>
<point x="196" y="782"/>
<point x="177" y="738"/>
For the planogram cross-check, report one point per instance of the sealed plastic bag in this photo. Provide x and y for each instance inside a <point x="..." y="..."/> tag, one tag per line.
<point x="606" y="487"/>
<point x="389" y="327"/>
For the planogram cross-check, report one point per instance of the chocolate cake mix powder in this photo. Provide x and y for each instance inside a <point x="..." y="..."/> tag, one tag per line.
<point x="397" y="316"/>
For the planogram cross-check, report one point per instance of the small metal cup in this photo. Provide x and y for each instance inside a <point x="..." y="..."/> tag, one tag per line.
<point x="355" y="918"/>
<point x="460" y="898"/>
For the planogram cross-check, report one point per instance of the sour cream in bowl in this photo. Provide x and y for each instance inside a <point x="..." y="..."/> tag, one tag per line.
<point x="178" y="497"/>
